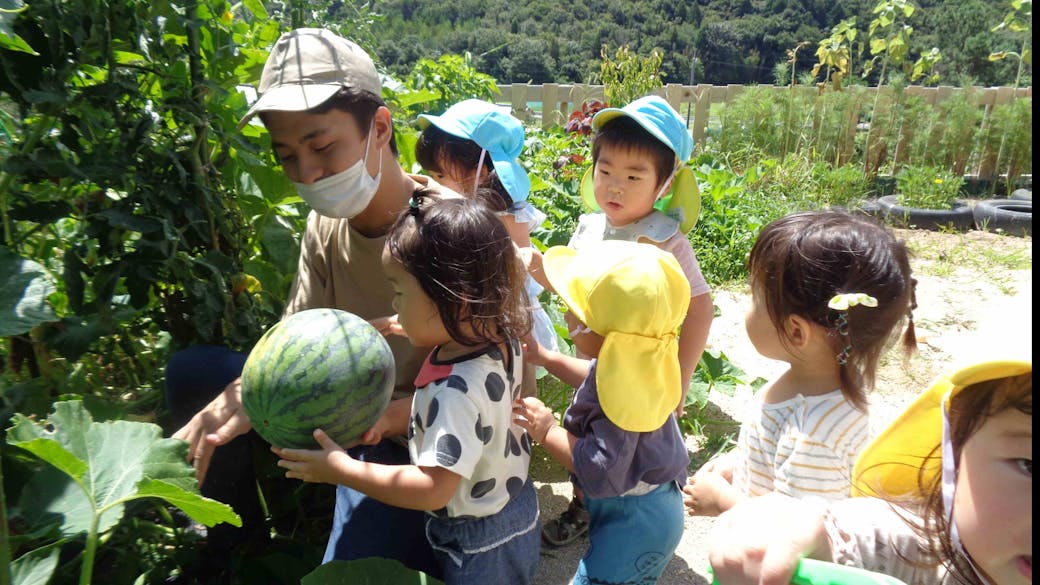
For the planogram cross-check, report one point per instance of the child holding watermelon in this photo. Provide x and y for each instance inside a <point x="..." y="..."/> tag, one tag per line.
<point x="321" y="104"/>
<point x="473" y="148"/>
<point x="620" y="438"/>
<point x="457" y="285"/>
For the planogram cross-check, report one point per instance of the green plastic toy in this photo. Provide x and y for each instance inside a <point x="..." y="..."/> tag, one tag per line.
<point x="814" y="572"/>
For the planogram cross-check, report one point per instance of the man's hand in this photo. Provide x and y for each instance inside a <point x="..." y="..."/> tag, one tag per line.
<point x="387" y="326"/>
<point x="220" y="421"/>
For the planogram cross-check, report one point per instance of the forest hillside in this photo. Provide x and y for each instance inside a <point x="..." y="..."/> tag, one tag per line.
<point x="730" y="41"/>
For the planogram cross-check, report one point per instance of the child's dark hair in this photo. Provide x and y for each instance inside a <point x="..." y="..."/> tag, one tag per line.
<point x="624" y="133"/>
<point x="969" y="410"/>
<point x="438" y="151"/>
<point x="464" y="260"/>
<point x="802" y="260"/>
<point x="359" y="103"/>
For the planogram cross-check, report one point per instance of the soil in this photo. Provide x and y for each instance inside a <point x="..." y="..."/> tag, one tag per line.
<point x="974" y="297"/>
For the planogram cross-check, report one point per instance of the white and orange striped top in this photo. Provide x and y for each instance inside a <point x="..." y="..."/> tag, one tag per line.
<point x="802" y="447"/>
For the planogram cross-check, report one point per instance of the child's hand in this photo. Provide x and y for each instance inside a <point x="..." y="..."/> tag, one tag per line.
<point x="534" y="353"/>
<point x="315" y="466"/>
<point x="387" y="326"/>
<point x="532" y="259"/>
<point x="761" y="540"/>
<point x="531" y="414"/>
<point x="708" y="494"/>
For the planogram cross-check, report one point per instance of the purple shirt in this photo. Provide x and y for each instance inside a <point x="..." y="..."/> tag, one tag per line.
<point x="608" y="460"/>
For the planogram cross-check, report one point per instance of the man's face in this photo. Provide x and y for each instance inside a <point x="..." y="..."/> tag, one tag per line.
<point x="312" y="147"/>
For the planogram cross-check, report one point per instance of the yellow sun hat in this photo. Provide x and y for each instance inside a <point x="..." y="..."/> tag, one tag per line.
<point x="635" y="296"/>
<point x="908" y="454"/>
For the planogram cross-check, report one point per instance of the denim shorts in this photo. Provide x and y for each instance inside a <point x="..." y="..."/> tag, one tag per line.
<point x="364" y="527"/>
<point x="631" y="538"/>
<point x="501" y="548"/>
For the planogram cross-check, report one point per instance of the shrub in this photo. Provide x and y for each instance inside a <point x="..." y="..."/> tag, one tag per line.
<point x="927" y="187"/>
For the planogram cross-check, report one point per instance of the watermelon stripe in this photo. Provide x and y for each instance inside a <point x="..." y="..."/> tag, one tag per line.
<point x="317" y="368"/>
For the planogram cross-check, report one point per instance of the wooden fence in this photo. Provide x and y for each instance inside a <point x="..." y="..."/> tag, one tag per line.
<point x="696" y="102"/>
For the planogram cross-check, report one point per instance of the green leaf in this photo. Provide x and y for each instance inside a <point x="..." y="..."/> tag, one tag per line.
<point x="24" y="287"/>
<point x="104" y="464"/>
<point x="35" y="567"/>
<point x="202" y="510"/>
<point x="257" y="8"/>
<point x="371" y="571"/>
<point x="878" y="46"/>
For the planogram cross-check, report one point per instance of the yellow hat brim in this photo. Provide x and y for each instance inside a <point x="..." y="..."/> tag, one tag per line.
<point x="684" y="195"/>
<point x="905" y="456"/>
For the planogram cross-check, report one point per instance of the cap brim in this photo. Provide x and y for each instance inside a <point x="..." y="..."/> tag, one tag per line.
<point x="683" y="200"/>
<point x="605" y="115"/>
<point x="556" y="262"/>
<point x="905" y="456"/>
<point x="291" y="98"/>
<point x="513" y="177"/>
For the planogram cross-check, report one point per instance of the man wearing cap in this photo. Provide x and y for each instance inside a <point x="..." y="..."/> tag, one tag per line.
<point x="320" y="100"/>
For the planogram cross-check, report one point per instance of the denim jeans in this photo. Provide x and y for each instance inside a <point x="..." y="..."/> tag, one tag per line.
<point x="365" y="527"/>
<point x="631" y="538"/>
<point x="501" y="548"/>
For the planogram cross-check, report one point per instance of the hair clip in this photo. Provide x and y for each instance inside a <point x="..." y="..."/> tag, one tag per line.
<point x="842" y="302"/>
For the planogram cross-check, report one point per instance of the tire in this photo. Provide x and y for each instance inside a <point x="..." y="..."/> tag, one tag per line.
<point x="958" y="218"/>
<point x="1012" y="216"/>
<point x="870" y="208"/>
<point x="1022" y="195"/>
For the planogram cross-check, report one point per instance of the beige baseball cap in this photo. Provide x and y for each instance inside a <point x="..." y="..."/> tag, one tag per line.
<point x="306" y="67"/>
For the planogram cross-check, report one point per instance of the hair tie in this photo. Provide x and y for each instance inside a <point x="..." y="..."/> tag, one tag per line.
<point x="842" y="302"/>
<point x="415" y="204"/>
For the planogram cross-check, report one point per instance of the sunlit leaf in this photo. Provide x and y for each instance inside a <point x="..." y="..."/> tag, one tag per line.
<point x="24" y="287"/>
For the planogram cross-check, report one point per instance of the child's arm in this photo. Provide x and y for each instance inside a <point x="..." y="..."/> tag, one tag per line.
<point x="532" y="259"/>
<point x="708" y="493"/>
<point x="540" y="422"/>
<point x="404" y="486"/>
<point x="693" y="337"/>
<point x="761" y="540"/>
<point x="518" y="232"/>
<point x="571" y="371"/>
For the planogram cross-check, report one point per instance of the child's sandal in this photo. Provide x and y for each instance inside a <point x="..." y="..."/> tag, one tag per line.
<point x="564" y="529"/>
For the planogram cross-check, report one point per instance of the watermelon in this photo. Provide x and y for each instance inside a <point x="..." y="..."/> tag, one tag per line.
<point x="319" y="368"/>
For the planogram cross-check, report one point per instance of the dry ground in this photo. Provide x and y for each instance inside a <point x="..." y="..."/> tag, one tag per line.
<point x="974" y="297"/>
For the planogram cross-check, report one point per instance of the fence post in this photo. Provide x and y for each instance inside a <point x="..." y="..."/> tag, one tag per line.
<point x="702" y="104"/>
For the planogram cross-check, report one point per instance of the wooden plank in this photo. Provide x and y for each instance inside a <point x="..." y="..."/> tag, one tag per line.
<point x="701" y="111"/>
<point x="550" y="101"/>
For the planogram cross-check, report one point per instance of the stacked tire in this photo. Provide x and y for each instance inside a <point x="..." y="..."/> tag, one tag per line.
<point x="959" y="217"/>
<point x="1010" y="216"/>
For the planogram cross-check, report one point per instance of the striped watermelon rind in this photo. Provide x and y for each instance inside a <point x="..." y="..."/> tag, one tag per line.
<point x="319" y="368"/>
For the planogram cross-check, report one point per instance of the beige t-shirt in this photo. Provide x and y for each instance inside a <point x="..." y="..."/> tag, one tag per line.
<point x="341" y="269"/>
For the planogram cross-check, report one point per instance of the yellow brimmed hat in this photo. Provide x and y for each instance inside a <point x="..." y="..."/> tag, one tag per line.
<point x="891" y="465"/>
<point x="635" y="296"/>
<point x="660" y="120"/>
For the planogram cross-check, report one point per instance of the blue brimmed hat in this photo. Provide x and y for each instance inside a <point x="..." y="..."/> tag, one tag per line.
<point x="656" y="116"/>
<point x="495" y="130"/>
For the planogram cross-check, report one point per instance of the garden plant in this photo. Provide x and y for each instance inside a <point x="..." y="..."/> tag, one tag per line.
<point x="136" y="220"/>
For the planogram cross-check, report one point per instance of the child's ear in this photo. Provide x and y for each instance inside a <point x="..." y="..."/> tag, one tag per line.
<point x="799" y="330"/>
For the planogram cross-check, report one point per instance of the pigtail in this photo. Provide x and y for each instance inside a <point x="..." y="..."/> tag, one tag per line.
<point x="910" y="335"/>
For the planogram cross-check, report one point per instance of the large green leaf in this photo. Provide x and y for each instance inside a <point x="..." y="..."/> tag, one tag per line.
<point x="102" y="465"/>
<point x="24" y="287"/>
<point x="372" y="571"/>
<point x="35" y="567"/>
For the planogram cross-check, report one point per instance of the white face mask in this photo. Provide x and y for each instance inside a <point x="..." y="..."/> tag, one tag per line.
<point x="347" y="193"/>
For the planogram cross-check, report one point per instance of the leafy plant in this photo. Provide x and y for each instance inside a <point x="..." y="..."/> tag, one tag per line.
<point x="927" y="187"/>
<point x="95" y="469"/>
<point x="371" y="571"/>
<point x="714" y="372"/>
<point x="1018" y="20"/>
<point x="627" y="76"/>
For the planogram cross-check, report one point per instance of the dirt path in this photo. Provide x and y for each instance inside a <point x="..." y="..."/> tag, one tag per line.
<point x="974" y="297"/>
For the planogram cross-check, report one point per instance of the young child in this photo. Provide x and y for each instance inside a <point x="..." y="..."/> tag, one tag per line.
<point x="829" y="291"/>
<point x="620" y="438"/>
<point x="641" y="190"/>
<point x="954" y="476"/>
<point x="482" y="508"/>
<point x="473" y="148"/>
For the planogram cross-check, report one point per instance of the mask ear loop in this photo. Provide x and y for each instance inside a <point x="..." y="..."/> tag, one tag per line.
<point x="480" y="167"/>
<point x="949" y="488"/>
